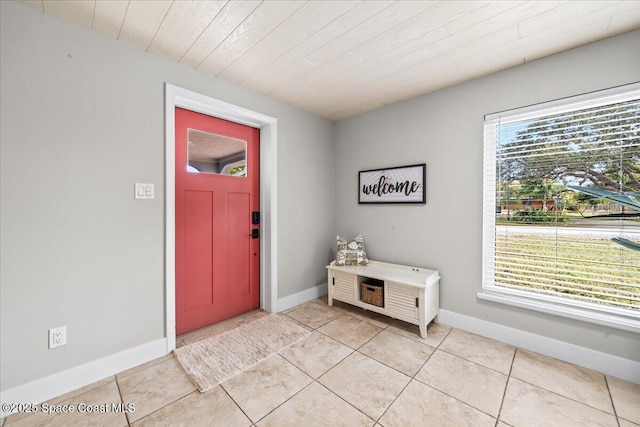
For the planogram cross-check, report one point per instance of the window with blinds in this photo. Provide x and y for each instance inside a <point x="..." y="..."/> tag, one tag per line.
<point x="562" y="204"/>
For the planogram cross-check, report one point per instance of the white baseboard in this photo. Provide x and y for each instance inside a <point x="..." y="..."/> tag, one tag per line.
<point x="606" y="363"/>
<point x="63" y="382"/>
<point x="609" y="364"/>
<point x="301" y="297"/>
<point x="41" y="390"/>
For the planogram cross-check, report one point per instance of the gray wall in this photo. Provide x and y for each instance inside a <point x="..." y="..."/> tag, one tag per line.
<point x="82" y="119"/>
<point x="444" y="129"/>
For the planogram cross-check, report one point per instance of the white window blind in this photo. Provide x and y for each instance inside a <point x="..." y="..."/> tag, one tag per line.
<point x="561" y="206"/>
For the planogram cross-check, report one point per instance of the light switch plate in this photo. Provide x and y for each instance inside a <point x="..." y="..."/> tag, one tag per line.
<point x="143" y="191"/>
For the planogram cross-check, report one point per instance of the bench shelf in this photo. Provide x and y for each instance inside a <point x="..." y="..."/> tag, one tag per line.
<point x="411" y="294"/>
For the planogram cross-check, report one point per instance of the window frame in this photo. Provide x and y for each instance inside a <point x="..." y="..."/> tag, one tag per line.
<point x="550" y="304"/>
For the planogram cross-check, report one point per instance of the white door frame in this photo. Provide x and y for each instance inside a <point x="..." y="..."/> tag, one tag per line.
<point x="178" y="97"/>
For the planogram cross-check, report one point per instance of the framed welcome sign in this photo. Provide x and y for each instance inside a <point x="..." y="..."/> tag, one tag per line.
<point x="403" y="184"/>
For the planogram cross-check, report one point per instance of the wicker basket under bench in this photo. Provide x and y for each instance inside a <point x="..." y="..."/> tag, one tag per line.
<point x="405" y="293"/>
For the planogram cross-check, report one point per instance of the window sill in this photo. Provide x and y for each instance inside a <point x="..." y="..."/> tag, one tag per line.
<point x="627" y="323"/>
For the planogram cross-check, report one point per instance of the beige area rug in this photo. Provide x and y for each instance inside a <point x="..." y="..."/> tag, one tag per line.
<point x="220" y="357"/>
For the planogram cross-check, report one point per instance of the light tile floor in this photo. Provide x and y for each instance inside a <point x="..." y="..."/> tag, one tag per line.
<point x="358" y="368"/>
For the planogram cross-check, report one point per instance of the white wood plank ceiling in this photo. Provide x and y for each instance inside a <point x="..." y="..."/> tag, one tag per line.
<point x="341" y="58"/>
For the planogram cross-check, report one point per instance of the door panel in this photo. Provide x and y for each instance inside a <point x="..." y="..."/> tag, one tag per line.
<point x="217" y="189"/>
<point x="198" y="246"/>
<point x="344" y="286"/>
<point x="401" y="300"/>
<point x="238" y="245"/>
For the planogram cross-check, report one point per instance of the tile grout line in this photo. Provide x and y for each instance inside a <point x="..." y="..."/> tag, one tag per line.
<point x="390" y="367"/>
<point x="126" y="414"/>
<point x="476" y="363"/>
<point x="341" y="398"/>
<point x="566" y="397"/>
<point x="286" y="400"/>
<point x="236" y="403"/>
<point x="287" y="361"/>
<point x="613" y="405"/>
<point x="453" y="397"/>
<point x="168" y="403"/>
<point x="290" y="397"/>
<point x="411" y="378"/>
<point x="315" y="380"/>
<point x="384" y="364"/>
<point x="163" y="406"/>
<point x="506" y="385"/>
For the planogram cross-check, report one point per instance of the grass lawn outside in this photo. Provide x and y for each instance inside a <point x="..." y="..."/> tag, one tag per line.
<point x="585" y="268"/>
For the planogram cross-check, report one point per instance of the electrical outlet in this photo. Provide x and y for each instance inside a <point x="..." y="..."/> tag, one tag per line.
<point x="57" y="337"/>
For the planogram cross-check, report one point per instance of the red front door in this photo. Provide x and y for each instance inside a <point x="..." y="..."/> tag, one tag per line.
<point x="217" y="192"/>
